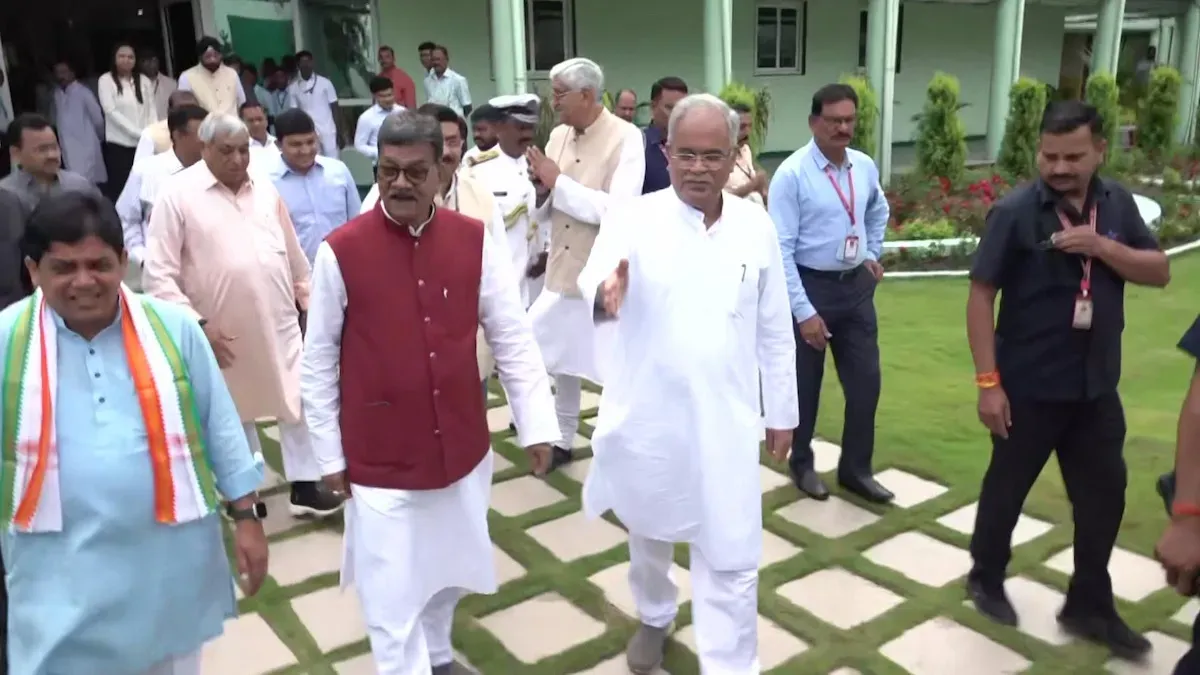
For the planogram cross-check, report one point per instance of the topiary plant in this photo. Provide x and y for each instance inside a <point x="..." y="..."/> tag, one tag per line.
<point x="1159" y="112"/>
<point x="941" y="135"/>
<point x="1101" y="91"/>
<point x="867" y="119"/>
<point x="759" y="102"/>
<point x="1018" y="150"/>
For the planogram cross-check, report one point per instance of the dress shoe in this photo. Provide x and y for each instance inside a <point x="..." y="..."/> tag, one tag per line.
<point x="991" y="601"/>
<point x="452" y="668"/>
<point x="312" y="498"/>
<point x="560" y="456"/>
<point x="1107" y="630"/>
<point x="644" y="655"/>
<point x="866" y="487"/>
<point x="811" y="484"/>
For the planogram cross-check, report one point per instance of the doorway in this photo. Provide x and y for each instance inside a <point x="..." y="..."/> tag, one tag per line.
<point x="181" y="30"/>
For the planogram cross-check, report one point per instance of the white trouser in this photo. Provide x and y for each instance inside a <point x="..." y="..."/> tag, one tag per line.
<point x="568" y="391"/>
<point x="724" y="605"/>
<point x="408" y="646"/>
<point x="189" y="664"/>
<point x="299" y="462"/>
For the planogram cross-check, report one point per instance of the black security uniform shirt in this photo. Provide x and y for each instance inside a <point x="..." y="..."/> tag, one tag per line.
<point x="1039" y="355"/>
<point x="1190" y="343"/>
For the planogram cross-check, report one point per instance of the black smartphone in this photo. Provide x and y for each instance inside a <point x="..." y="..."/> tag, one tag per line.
<point x="1166" y="490"/>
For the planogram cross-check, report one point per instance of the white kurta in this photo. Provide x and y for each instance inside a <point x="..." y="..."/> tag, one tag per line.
<point x="560" y="323"/>
<point x="507" y="178"/>
<point x="315" y="96"/>
<point x="706" y="313"/>
<point x="429" y="539"/>
<point x="135" y="202"/>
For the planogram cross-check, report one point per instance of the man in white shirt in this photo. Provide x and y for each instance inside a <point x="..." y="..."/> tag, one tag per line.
<point x="446" y="87"/>
<point x="156" y="138"/>
<point x="162" y="83"/>
<point x="483" y="130"/>
<point x="677" y="439"/>
<point x="366" y="132"/>
<point x="315" y="95"/>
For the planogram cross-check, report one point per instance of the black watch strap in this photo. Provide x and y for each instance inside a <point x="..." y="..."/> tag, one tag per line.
<point x="256" y="512"/>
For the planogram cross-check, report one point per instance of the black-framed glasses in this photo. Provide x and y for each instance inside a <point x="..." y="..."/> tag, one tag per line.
<point x="414" y="174"/>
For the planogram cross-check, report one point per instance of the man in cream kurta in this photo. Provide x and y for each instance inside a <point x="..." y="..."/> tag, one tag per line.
<point x="691" y="280"/>
<point x="593" y="159"/>
<point x="220" y="241"/>
<point x="216" y="85"/>
<point x="747" y="180"/>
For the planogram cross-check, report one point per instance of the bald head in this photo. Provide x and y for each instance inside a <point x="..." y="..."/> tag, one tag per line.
<point x="180" y="98"/>
<point x="625" y="106"/>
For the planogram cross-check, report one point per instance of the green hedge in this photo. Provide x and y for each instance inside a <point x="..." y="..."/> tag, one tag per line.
<point x="1102" y="92"/>
<point x="866" y="124"/>
<point x="941" y="135"/>
<point x="1159" y="112"/>
<point x="1026" y="104"/>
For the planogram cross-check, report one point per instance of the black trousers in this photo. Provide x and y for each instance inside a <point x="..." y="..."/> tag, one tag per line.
<point x="846" y="302"/>
<point x="118" y="160"/>
<point x="1089" y="438"/>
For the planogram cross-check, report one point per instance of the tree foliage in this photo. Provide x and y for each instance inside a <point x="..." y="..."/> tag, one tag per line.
<point x="1159" y="112"/>
<point x="1026" y="104"/>
<point x="866" y="123"/>
<point x="941" y="135"/>
<point x="1102" y="92"/>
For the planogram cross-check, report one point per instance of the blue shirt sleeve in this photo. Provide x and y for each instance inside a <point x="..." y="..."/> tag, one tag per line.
<point x="353" y="201"/>
<point x="784" y="207"/>
<point x="876" y="218"/>
<point x="1190" y="343"/>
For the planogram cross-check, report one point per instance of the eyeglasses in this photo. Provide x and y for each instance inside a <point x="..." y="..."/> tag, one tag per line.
<point x="414" y="174"/>
<point x="840" y="121"/>
<point x="709" y="160"/>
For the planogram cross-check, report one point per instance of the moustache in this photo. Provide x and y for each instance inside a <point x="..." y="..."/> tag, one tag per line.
<point x="401" y="194"/>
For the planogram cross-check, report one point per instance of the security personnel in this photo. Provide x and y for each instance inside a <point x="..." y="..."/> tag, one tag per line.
<point x="1059" y="251"/>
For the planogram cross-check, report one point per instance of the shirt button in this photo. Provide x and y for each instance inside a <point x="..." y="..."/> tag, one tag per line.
<point x="102" y="399"/>
<point x="91" y="351"/>
<point x="96" y="374"/>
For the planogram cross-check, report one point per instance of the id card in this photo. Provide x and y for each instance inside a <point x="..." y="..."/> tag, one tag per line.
<point x="849" y="251"/>
<point x="1083" y="313"/>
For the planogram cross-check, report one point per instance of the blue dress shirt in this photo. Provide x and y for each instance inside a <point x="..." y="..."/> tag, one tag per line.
<point x="812" y="221"/>
<point x="319" y="201"/>
<point x="657" y="177"/>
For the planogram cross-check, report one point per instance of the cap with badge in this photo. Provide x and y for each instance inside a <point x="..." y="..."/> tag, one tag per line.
<point x="521" y="108"/>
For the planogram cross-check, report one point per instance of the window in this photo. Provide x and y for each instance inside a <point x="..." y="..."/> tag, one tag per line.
<point x="549" y="33"/>
<point x="341" y="36"/>
<point x="780" y="38"/>
<point x="864" y="20"/>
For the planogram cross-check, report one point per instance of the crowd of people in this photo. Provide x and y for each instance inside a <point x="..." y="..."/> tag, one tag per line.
<point x="233" y="274"/>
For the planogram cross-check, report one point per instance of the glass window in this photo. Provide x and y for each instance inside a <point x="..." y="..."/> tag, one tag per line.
<point x="341" y="36"/>
<point x="779" y="37"/>
<point x="546" y="37"/>
<point x="768" y="37"/>
<point x="789" y="38"/>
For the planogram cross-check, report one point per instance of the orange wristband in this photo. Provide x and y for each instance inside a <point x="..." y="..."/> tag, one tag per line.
<point x="1184" y="510"/>
<point x="987" y="380"/>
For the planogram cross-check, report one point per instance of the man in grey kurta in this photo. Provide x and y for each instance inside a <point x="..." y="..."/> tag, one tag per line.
<point x="80" y="125"/>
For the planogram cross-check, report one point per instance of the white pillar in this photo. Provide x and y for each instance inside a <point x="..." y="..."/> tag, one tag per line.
<point x="887" y="92"/>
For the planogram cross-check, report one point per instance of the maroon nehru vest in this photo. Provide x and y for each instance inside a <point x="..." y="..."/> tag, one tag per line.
<point x="412" y="409"/>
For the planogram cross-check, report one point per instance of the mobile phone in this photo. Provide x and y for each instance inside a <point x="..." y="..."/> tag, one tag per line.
<point x="1166" y="490"/>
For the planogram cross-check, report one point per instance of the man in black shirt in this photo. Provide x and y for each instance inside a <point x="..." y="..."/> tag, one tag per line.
<point x="1059" y="252"/>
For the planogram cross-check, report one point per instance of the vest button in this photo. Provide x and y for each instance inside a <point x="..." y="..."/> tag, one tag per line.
<point x="433" y="355"/>
<point x="426" y="319"/>
<point x="437" y="432"/>
<point x="437" y="392"/>
<point x="420" y="282"/>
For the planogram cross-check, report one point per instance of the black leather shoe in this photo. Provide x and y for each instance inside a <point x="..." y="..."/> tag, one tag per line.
<point x="992" y="602"/>
<point x="560" y="456"/>
<point x="868" y="488"/>
<point x="811" y="484"/>
<point x="1106" y="630"/>
<point x="512" y="426"/>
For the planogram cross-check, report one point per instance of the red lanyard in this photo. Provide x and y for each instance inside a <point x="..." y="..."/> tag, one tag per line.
<point x="1085" y="284"/>
<point x="847" y="204"/>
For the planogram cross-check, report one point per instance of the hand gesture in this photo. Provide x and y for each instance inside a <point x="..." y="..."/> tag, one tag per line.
<point x="1079" y="241"/>
<point x="779" y="443"/>
<point x="875" y="268"/>
<point x="250" y="543"/>
<point x="221" y="344"/>
<point x="612" y="291"/>
<point x="1179" y="552"/>
<point x="994" y="411"/>
<point x="336" y="482"/>
<point x="540" y="457"/>
<point x="814" y="333"/>
<point x="543" y="169"/>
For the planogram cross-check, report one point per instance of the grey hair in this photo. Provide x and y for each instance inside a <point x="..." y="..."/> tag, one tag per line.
<point x="707" y="102"/>
<point x="407" y="127"/>
<point x="579" y="74"/>
<point x="218" y="124"/>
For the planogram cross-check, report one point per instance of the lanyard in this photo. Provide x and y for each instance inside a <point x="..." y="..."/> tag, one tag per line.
<point x="847" y="204"/>
<point x="1085" y="284"/>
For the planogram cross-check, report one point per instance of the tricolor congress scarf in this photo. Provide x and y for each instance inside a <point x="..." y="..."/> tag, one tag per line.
<point x="184" y="487"/>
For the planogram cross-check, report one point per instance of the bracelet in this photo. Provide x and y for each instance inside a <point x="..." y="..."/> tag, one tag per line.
<point x="1184" y="510"/>
<point x="987" y="380"/>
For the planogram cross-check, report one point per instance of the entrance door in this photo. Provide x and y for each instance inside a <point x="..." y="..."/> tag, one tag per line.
<point x="181" y="30"/>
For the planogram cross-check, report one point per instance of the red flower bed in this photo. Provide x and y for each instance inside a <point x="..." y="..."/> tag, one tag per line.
<point x="965" y="202"/>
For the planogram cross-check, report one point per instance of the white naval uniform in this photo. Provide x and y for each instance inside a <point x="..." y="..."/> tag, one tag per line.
<point x="676" y="444"/>
<point x="410" y="554"/>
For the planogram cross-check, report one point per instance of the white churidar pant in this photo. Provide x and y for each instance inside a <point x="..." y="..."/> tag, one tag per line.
<point x="724" y="605"/>
<point x="189" y="664"/>
<point x="299" y="462"/>
<point x="568" y="392"/>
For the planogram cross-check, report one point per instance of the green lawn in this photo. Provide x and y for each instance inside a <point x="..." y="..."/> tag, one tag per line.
<point x="926" y="426"/>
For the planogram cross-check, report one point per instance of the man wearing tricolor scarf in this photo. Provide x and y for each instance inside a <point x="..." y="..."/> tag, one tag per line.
<point x="119" y="439"/>
<point x="392" y="398"/>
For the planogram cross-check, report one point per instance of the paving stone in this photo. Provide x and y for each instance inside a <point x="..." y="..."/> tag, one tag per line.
<point x="921" y="558"/>
<point x="845" y="671"/>
<point x="776" y="549"/>
<point x="581" y="442"/>
<point x="589" y="400"/>
<point x="559" y="627"/>
<point x="248" y="647"/>
<point x="576" y="536"/>
<point x="614" y="581"/>
<point x="1134" y="577"/>
<point x="1161" y="660"/>
<point x="614" y="666"/>
<point x="772" y="479"/>
<point x="500" y="463"/>
<point x="498" y="419"/>
<point x="825" y="456"/>
<point x="332" y="616"/>
<point x="1027" y="529"/>
<point x="838" y="597"/>
<point x="522" y="495"/>
<point x="271" y="432"/>
<point x="577" y="470"/>
<point x="1187" y="614"/>
<point x="832" y="518"/>
<point x="924" y="650"/>
<point x="271" y="479"/>
<point x="507" y="569"/>
<point x="775" y="645"/>
<point x="1037" y="605"/>
<point x="300" y="558"/>
<point x="278" y="518"/>
<point x="359" y="665"/>
<point x="910" y="490"/>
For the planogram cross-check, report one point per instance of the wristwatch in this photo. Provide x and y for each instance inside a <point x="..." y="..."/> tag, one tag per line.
<point x="256" y="512"/>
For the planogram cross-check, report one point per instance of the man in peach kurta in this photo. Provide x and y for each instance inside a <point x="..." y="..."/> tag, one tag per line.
<point x="220" y="242"/>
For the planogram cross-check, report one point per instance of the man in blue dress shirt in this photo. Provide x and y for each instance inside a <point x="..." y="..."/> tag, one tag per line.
<point x="100" y="578"/>
<point x="664" y="94"/>
<point x="831" y="213"/>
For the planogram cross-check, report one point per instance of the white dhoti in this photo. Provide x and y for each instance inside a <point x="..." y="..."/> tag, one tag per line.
<point x="299" y="462"/>
<point x="188" y="664"/>
<point x="566" y="335"/>
<point x="410" y="555"/>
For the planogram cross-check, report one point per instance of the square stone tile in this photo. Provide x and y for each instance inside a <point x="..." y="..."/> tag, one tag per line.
<point x="278" y="519"/>
<point x="359" y="665"/>
<point x="270" y="479"/>
<point x="1187" y="614"/>
<point x="522" y="495"/>
<point x="1134" y="577"/>
<point x="921" y="558"/>
<point x="1037" y="605"/>
<point x="248" y="647"/>
<point x="560" y="626"/>
<point x="910" y="490"/>
<point x="775" y="645"/>
<point x="1027" y="529"/>
<point x="614" y="581"/>
<point x="498" y="419"/>
<point x="1161" y="660"/>
<point x="776" y="549"/>
<point x="832" y="518"/>
<point x="271" y="432"/>
<point x="304" y="557"/>
<point x="838" y="597"/>
<point x="825" y="456"/>
<point x="580" y="442"/>
<point x="332" y="616"/>
<point x="589" y="400"/>
<point x="507" y="569"/>
<point x="924" y="650"/>
<point x="576" y="536"/>
<point x="500" y="463"/>
<point x="577" y="470"/>
<point x="845" y="671"/>
<point x="772" y="479"/>
<point x="614" y="666"/>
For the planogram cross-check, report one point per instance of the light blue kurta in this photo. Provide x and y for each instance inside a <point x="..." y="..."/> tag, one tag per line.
<point x="116" y="592"/>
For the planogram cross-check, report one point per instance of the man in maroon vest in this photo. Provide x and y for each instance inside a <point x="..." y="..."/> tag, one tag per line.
<point x="393" y="403"/>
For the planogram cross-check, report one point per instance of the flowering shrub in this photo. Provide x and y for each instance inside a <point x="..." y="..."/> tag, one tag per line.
<point x="964" y="204"/>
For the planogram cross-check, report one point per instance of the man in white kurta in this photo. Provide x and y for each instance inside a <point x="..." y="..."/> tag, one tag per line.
<point x="691" y="282"/>
<point x="80" y="124"/>
<point x="593" y="159"/>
